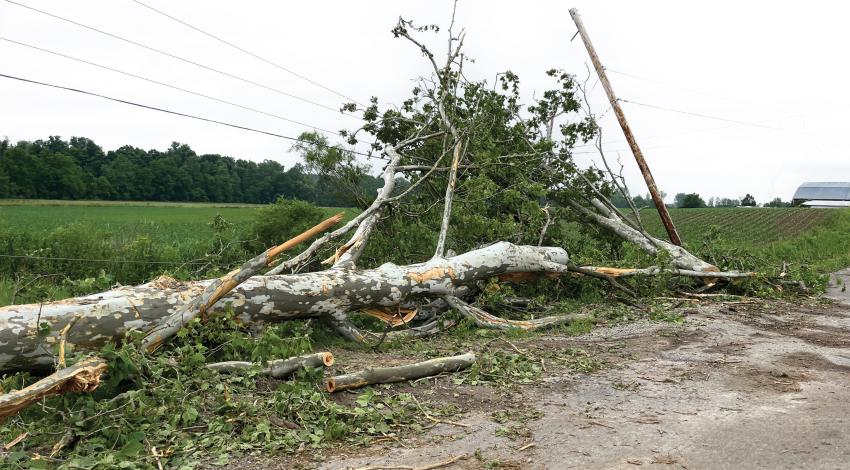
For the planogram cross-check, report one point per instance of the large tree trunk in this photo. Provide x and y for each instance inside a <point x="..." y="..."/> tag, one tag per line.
<point x="107" y="316"/>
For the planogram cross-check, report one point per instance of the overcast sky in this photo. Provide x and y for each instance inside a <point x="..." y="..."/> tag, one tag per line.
<point x="778" y="69"/>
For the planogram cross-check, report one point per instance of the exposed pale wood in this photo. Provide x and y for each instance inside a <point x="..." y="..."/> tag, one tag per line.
<point x="655" y="271"/>
<point x="84" y="376"/>
<point x="395" y="319"/>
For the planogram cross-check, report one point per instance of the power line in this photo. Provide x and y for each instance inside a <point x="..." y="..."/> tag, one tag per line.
<point x="176" y="113"/>
<point x="291" y="72"/>
<point x="706" y="116"/>
<point x="670" y="85"/>
<point x="173" y="56"/>
<point x="677" y="134"/>
<point x="175" y="87"/>
<point x="677" y="87"/>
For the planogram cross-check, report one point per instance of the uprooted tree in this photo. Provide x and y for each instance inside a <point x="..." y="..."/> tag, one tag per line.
<point x="472" y="181"/>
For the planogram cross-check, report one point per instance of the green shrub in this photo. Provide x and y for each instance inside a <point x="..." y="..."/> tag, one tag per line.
<point x="283" y="220"/>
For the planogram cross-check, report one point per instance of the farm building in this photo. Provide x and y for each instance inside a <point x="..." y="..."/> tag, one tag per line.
<point x="822" y="194"/>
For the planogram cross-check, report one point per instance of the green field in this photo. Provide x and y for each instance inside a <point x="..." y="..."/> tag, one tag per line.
<point x="756" y="224"/>
<point x="60" y="248"/>
<point x="812" y="242"/>
<point x="76" y="247"/>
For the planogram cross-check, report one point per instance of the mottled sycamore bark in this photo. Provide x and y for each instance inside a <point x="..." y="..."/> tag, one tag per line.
<point x="385" y="375"/>
<point x="608" y="219"/>
<point x="218" y="288"/>
<point x="107" y="316"/>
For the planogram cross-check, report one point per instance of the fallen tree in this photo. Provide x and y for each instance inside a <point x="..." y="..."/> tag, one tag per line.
<point x="471" y="149"/>
<point x="108" y="316"/>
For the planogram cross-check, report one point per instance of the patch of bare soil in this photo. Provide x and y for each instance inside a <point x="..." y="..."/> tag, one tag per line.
<point x="734" y="386"/>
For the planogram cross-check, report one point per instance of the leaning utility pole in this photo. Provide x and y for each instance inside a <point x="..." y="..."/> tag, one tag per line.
<point x="615" y="105"/>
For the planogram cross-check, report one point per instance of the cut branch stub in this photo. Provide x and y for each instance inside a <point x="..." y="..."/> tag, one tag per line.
<point x="385" y="375"/>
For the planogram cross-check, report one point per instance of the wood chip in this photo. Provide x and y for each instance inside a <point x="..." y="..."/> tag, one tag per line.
<point x="16" y="440"/>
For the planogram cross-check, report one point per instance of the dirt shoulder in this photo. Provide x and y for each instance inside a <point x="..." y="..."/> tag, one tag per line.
<point x="736" y="385"/>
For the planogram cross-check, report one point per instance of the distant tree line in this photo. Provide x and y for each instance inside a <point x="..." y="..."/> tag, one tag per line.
<point x="80" y="169"/>
<point x="694" y="200"/>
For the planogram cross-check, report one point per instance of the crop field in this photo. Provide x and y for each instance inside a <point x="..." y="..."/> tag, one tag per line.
<point x="127" y="243"/>
<point x="91" y="245"/>
<point x="757" y="224"/>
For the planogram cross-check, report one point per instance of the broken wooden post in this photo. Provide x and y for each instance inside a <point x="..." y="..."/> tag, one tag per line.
<point x="621" y="118"/>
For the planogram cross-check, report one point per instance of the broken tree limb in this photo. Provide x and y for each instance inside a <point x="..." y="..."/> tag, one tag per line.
<point x="601" y="275"/>
<point x="278" y="368"/>
<point x="604" y="217"/>
<point x="355" y="222"/>
<point x="385" y="375"/>
<point x="486" y="320"/>
<point x="450" y="191"/>
<point x="84" y="376"/>
<point x="655" y="271"/>
<point x="107" y="316"/>
<point x="217" y="289"/>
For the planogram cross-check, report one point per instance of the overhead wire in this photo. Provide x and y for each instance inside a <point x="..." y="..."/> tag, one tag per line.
<point x="252" y="54"/>
<point x="177" y="113"/>
<point x="168" y="85"/>
<point x="685" y="89"/>
<point x="706" y="116"/>
<point x="182" y="59"/>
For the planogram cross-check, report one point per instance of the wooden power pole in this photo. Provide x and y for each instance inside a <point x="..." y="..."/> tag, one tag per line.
<point x="615" y="105"/>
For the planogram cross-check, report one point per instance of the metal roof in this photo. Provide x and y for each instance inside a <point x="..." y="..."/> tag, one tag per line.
<point x="823" y="191"/>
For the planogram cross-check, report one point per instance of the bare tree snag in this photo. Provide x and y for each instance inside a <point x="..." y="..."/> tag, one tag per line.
<point x="84" y="376"/>
<point x="486" y="320"/>
<point x="217" y="289"/>
<point x="107" y="316"/>
<point x="385" y="375"/>
<point x="279" y="368"/>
